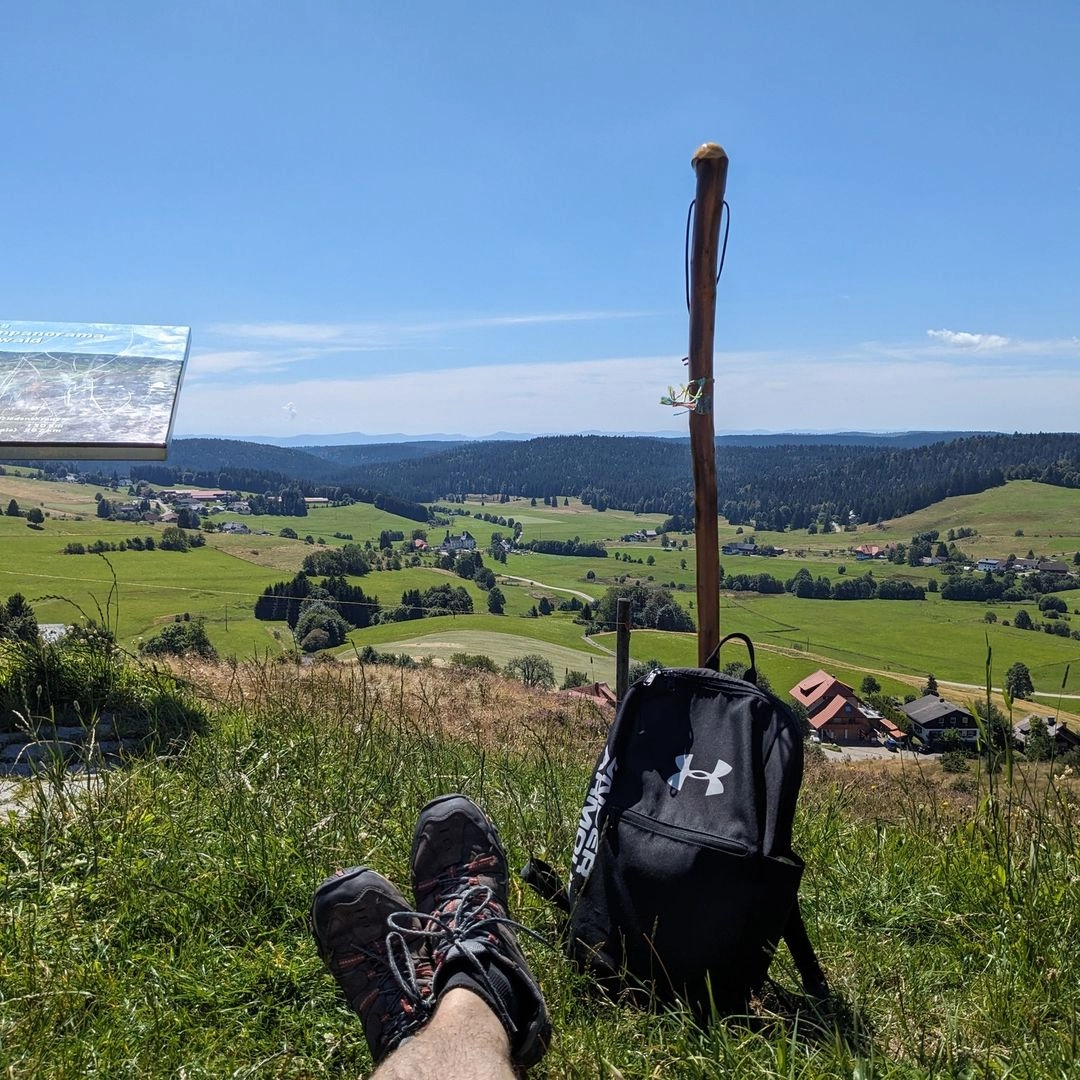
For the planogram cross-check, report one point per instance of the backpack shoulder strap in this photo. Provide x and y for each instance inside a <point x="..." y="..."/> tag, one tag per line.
<point x="802" y="952"/>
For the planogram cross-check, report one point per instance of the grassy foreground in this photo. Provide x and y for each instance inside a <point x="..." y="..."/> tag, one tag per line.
<point x="152" y="923"/>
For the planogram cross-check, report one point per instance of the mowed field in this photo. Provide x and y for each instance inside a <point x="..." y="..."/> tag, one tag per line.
<point x="901" y="642"/>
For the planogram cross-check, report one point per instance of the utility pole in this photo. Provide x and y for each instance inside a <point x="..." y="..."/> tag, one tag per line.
<point x="710" y="163"/>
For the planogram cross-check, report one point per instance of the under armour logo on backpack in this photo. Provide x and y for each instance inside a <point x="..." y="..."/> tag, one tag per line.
<point x="682" y="763"/>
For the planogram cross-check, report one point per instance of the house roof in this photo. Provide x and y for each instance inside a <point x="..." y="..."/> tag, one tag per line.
<point x="597" y="691"/>
<point x="929" y="708"/>
<point x="1056" y="729"/>
<point x="816" y="687"/>
<point x="892" y="729"/>
<point x="833" y="709"/>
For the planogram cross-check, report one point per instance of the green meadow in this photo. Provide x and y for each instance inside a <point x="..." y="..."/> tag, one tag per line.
<point x="155" y="921"/>
<point x="899" y="641"/>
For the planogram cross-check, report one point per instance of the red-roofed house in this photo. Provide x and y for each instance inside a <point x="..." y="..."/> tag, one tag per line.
<point x="835" y="711"/>
<point x="598" y="692"/>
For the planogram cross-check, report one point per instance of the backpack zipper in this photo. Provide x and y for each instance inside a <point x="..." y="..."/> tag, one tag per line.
<point x="676" y="832"/>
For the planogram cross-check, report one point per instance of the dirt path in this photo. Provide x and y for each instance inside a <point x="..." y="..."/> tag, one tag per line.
<point x="544" y="585"/>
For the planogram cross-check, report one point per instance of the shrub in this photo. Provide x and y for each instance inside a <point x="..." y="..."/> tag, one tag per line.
<point x="181" y="639"/>
<point x="954" y="761"/>
<point x="474" y="662"/>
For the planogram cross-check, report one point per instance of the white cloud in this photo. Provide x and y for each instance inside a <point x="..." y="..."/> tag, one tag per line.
<point x="965" y="340"/>
<point x="1029" y="386"/>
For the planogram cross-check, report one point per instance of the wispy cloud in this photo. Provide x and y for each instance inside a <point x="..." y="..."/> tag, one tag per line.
<point x="231" y="361"/>
<point x="965" y="340"/>
<point x="388" y="333"/>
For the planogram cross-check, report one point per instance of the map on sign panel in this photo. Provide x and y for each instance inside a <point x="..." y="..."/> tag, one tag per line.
<point x="89" y="390"/>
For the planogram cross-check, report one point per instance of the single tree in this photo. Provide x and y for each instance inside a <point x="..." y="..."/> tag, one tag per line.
<point x="930" y="687"/>
<point x="13" y="509"/>
<point x="870" y="685"/>
<point x="496" y="601"/>
<point x="533" y="670"/>
<point x="35" y="516"/>
<point x="173" y="538"/>
<point x="1018" y="681"/>
<point x="17" y="620"/>
<point x="1023" y="620"/>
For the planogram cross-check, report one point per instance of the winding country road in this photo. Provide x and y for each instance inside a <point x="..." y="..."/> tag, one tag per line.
<point x="544" y="585"/>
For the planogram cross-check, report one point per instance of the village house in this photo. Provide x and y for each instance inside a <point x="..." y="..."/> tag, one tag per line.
<point x="1020" y="565"/>
<point x="1063" y="737"/>
<point x="197" y="497"/>
<point x="836" y="712"/>
<point x="464" y="542"/>
<point x="740" y="548"/>
<point x="991" y="565"/>
<point x="931" y="716"/>
<point x="1051" y="566"/>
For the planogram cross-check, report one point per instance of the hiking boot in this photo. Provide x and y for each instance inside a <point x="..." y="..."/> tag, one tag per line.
<point x="385" y="980"/>
<point x="460" y="877"/>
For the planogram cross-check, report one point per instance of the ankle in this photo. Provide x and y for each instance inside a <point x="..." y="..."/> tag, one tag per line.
<point x="461" y="1008"/>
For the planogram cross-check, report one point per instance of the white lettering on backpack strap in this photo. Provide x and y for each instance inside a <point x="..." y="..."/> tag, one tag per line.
<point x="682" y="763"/>
<point x="587" y="840"/>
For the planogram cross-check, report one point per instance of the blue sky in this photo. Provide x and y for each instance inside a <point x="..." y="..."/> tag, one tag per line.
<point x="467" y="219"/>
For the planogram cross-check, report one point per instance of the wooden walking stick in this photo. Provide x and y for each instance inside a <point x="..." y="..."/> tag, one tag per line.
<point x="711" y="165"/>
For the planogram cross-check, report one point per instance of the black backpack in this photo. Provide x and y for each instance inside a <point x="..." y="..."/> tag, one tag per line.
<point x="683" y="876"/>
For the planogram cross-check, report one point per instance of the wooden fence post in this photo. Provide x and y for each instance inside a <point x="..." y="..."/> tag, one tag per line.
<point x="622" y="647"/>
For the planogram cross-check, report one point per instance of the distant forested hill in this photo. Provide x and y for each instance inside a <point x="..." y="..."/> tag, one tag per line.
<point x="894" y="439"/>
<point x="777" y="485"/>
<point x="770" y="486"/>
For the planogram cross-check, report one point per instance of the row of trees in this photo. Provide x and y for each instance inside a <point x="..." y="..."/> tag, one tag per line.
<point x="1010" y="587"/>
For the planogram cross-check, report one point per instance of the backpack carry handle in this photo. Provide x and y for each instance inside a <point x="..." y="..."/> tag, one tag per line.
<point x="714" y="657"/>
